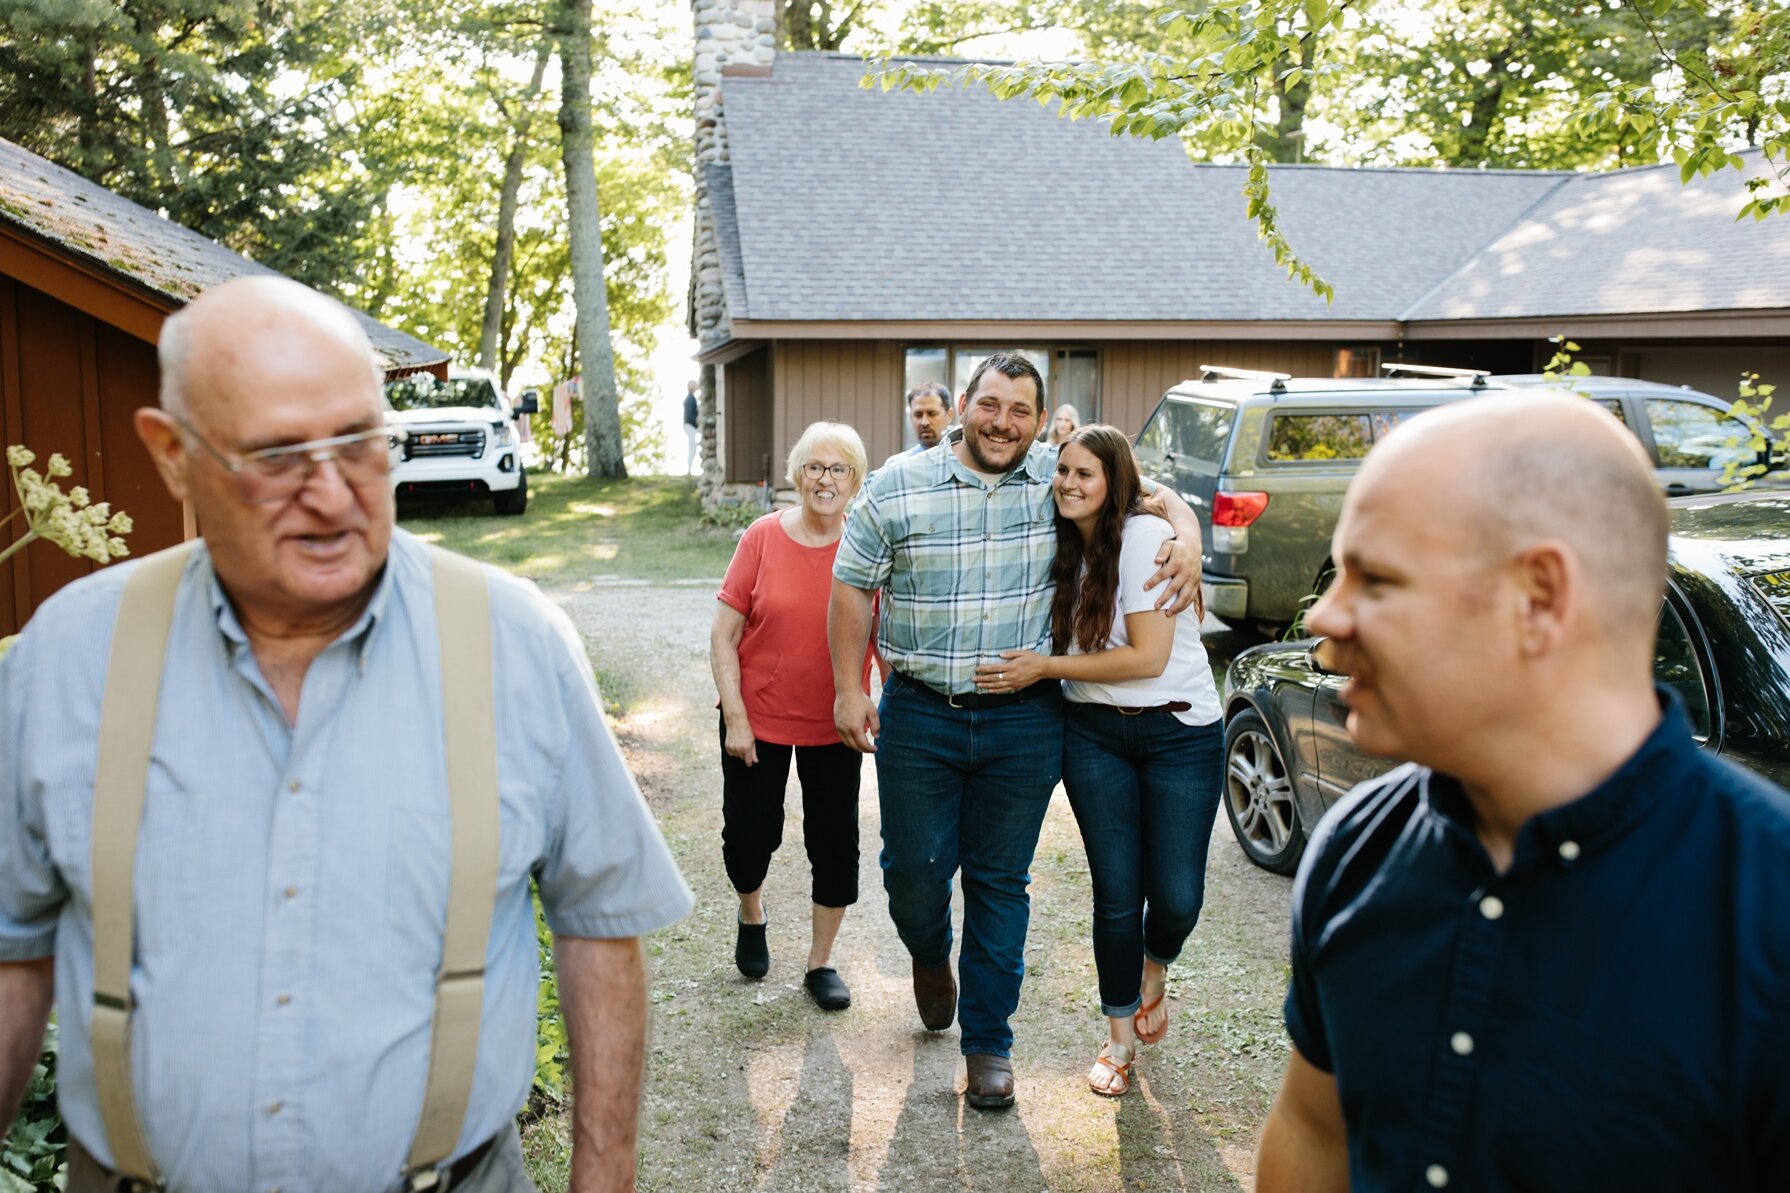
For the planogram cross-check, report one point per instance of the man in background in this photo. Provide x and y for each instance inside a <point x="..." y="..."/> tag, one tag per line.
<point x="692" y="427"/>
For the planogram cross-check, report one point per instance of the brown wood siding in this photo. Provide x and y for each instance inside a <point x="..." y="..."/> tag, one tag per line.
<point x="1134" y="374"/>
<point x="857" y="382"/>
<point x="70" y="384"/>
<point x="747" y="384"/>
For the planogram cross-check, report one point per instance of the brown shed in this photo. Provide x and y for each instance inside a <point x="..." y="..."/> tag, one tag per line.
<point x="86" y="278"/>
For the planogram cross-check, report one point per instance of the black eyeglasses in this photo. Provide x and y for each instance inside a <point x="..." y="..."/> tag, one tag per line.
<point x="275" y="474"/>
<point x="814" y="470"/>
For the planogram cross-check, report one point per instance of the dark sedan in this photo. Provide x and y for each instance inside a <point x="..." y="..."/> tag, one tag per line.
<point x="1724" y="647"/>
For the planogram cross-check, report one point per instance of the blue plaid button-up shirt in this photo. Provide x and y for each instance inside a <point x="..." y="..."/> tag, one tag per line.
<point x="964" y="567"/>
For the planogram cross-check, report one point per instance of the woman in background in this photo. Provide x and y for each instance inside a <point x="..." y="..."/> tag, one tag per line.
<point x="768" y="651"/>
<point x="1063" y="424"/>
<point x="1143" y="743"/>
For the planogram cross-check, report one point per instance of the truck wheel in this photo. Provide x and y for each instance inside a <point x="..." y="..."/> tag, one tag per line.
<point x="516" y="500"/>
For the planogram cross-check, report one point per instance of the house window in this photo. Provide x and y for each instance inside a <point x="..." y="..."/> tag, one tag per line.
<point x="1071" y="375"/>
<point x="1357" y="362"/>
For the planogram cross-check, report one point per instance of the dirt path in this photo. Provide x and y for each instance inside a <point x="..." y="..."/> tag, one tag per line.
<point x="750" y="1087"/>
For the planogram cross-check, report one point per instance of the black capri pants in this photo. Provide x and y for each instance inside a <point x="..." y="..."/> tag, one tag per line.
<point x="752" y="815"/>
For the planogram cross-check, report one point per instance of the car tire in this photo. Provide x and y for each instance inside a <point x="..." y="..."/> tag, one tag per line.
<point x="1258" y="795"/>
<point x="516" y="500"/>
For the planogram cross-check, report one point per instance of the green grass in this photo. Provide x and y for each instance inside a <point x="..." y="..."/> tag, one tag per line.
<point x="579" y="530"/>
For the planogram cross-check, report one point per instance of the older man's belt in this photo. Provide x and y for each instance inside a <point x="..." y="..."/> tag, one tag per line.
<point x="127" y="731"/>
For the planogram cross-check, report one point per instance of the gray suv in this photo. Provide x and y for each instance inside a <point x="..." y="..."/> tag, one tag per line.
<point x="1264" y="459"/>
<point x="1691" y="435"/>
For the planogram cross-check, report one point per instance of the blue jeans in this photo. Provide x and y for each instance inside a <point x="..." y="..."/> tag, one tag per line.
<point x="1145" y="792"/>
<point x="966" y="787"/>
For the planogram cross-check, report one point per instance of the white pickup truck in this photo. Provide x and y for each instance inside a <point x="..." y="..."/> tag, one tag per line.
<point x="461" y="439"/>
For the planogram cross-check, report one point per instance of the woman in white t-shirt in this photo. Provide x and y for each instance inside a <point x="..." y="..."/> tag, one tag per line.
<point x="1143" y="747"/>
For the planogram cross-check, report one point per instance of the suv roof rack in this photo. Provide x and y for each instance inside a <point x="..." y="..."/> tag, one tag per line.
<point x="1277" y="381"/>
<point x="1395" y="367"/>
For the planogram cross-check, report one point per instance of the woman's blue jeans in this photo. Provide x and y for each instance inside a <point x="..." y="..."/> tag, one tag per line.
<point x="966" y="787"/>
<point x="1145" y="791"/>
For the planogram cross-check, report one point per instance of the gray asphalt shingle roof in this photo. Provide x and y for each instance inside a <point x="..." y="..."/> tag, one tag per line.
<point x="1626" y="242"/>
<point x="128" y="240"/>
<point x="855" y="204"/>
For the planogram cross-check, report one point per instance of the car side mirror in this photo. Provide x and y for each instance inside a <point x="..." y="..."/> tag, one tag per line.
<point x="530" y="403"/>
<point x="1322" y="657"/>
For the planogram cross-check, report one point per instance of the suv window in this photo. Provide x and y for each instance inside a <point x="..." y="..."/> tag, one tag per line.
<point x="1196" y="429"/>
<point x="1692" y="435"/>
<point x="1675" y="667"/>
<point x="1319" y="437"/>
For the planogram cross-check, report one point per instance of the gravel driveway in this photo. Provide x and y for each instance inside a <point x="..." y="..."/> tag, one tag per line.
<point x="750" y="1087"/>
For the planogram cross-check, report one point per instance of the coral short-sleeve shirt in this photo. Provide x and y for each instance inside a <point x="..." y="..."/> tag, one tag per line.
<point x="786" y="673"/>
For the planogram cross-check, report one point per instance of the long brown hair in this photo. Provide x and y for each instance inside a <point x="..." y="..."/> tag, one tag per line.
<point x="1086" y="599"/>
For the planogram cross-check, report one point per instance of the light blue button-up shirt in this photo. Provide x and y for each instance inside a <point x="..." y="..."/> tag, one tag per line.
<point x="292" y="881"/>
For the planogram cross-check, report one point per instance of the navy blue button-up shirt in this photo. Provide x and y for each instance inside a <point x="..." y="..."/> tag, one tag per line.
<point x="1612" y="1012"/>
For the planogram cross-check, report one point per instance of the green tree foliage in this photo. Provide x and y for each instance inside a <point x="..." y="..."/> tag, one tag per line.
<point x="1555" y="83"/>
<point x="223" y="113"/>
<point x="1498" y="82"/>
<point x="361" y="148"/>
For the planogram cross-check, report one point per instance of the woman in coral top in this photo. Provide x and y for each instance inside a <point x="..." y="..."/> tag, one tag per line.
<point x="768" y="649"/>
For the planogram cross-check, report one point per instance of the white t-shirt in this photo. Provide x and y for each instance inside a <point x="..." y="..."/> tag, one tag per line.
<point x="1188" y="675"/>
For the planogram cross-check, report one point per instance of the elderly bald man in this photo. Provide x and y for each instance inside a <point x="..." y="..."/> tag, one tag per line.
<point x="1553" y="951"/>
<point x="309" y="1004"/>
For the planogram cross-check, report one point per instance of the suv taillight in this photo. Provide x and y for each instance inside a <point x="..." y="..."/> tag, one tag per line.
<point x="1232" y="514"/>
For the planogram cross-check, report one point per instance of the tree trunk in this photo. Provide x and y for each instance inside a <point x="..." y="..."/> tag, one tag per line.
<point x="522" y="124"/>
<point x="602" y="415"/>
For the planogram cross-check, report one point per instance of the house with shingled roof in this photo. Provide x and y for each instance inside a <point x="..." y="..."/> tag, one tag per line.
<point x="86" y="279"/>
<point x="852" y="242"/>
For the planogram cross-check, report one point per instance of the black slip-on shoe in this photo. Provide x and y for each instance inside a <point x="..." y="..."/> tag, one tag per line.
<point x="751" y="952"/>
<point x="828" y="988"/>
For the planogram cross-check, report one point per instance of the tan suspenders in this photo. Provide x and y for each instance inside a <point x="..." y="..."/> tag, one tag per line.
<point x="127" y="729"/>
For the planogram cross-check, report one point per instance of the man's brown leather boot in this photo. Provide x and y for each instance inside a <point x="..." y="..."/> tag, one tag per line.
<point x="990" y="1085"/>
<point x="935" y="993"/>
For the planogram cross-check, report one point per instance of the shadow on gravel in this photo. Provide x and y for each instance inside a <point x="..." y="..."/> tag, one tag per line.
<point x="815" y="1138"/>
<point x="942" y="1143"/>
<point x="1156" y="1153"/>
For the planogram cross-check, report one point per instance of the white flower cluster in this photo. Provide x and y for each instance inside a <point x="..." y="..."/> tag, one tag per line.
<point x="85" y="528"/>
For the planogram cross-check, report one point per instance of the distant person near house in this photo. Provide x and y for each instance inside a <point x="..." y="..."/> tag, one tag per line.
<point x="1551" y="951"/>
<point x="287" y="923"/>
<point x="1063" y="424"/>
<point x="768" y="650"/>
<point x="692" y="427"/>
<point x="929" y="410"/>
<point x="961" y="544"/>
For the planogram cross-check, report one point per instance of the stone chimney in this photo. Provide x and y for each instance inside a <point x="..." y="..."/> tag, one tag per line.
<point x="732" y="37"/>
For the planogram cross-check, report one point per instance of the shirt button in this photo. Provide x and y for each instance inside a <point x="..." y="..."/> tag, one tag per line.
<point x="275" y="1106"/>
<point x="1569" y="851"/>
<point x="294" y="785"/>
<point x="1491" y="907"/>
<point x="291" y="892"/>
<point x="1461" y="1042"/>
<point x="283" y="1000"/>
<point x="1436" y="1175"/>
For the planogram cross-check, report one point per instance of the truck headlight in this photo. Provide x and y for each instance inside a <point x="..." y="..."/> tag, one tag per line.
<point x="502" y="434"/>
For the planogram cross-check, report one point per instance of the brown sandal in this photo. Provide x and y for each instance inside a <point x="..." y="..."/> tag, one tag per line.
<point x="1149" y="1008"/>
<point x="1122" y="1069"/>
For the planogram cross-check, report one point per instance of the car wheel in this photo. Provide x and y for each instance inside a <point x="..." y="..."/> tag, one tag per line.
<point x="1258" y="795"/>
<point x="516" y="500"/>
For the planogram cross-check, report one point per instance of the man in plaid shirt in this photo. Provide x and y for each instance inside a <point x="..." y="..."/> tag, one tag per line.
<point x="961" y="541"/>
